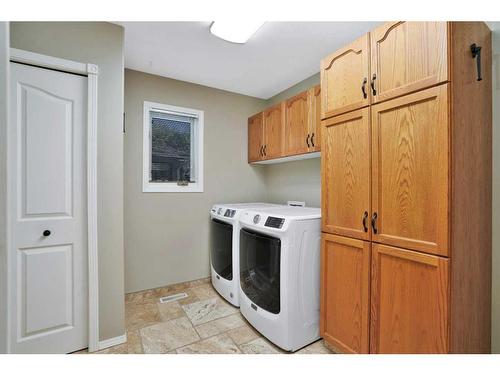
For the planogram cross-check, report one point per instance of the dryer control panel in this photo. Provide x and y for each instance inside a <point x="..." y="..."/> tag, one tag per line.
<point x="274" y="222"/>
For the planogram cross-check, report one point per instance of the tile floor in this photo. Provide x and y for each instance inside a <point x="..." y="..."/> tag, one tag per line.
<point x="203" y="322"/>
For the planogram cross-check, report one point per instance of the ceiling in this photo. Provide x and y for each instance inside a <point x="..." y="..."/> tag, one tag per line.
<point x="277" y="56"/>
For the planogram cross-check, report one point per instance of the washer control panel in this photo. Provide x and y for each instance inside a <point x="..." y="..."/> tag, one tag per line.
<point x="229" y="213"/>
<point x="256" y="219"/>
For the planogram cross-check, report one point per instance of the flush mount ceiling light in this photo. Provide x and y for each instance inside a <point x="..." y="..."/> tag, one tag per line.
<point x="237" y="31"/>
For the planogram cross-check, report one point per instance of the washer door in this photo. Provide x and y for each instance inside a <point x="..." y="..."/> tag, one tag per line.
<point x="260" y="269"/>
<point x="221" y="249"/>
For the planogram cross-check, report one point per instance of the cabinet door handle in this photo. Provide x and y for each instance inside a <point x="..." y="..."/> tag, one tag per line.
<point x="476" y="54"/>
<point x="365" y="216"/>
<point x="260" y="151"/>
<point x="307" y="141"/>
<point x="312" y="139"/>
<point x="374" y="77"/>
<point x="264" y="150"/>
<point x="363" y="87"/>
<point x="374" y="223"/>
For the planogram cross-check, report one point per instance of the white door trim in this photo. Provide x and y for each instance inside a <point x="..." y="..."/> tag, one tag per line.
<point x="91" y="71"/>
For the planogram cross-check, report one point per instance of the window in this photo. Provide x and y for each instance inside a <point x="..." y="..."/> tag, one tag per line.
<point x="173" y="149"/>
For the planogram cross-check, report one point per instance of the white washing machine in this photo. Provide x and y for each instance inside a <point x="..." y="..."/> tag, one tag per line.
<point x="280" y="273"/>
<point x="224" y="247"/>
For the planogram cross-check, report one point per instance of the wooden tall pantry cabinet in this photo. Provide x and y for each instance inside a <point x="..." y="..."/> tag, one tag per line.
<point x="406" y="190"/>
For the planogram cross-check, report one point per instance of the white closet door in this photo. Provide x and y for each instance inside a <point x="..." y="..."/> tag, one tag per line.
<point x="47" y="211"/>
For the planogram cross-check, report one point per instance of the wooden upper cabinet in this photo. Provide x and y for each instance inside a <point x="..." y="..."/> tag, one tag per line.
<point x="345" y="82"/>
<point x="345" y="174"/>
<point x="274" y="121"/>
<point x="255" y="137"/>
<point x="314" y="97"/>
<point x="297" y="135"/>
<point x="345" y="288"/>
<point x="410" y="164"/>
<point x="406" y="57"/>
<point x="409" y="302"/>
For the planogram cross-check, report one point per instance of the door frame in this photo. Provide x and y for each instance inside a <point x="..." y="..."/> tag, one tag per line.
<point x="91" y="71"/>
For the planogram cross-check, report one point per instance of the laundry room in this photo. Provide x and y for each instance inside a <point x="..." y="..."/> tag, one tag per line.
<point x="246" y="186"/>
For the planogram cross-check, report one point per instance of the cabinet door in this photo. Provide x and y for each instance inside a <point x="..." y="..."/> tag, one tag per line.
<point x="345" y="174"/>
<point x="297" y="136"/>
<point x="315" y="117"/>
<point x="410" y="190"/>
<point x="274" y="121"/>
<point x="345" y="288"/>
<point x="344" y="79"/>
<point x="255" y="137"/>
<point x="409" y="302"/>
<point x="408" y="56"/>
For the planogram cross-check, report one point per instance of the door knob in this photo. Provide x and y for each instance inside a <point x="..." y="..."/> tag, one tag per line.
<point x="46" y="233"/>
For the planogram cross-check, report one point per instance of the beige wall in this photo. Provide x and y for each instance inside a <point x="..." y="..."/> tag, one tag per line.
<point x="167" y="234"/>
<point x="295" y="180"/>
<point x="4" y="63"/>
<point x="102" y="44"/>
<point x="495" y="345"/>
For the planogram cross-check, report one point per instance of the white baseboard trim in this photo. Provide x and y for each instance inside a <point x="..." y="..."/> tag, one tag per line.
<point x="113" y="341"/>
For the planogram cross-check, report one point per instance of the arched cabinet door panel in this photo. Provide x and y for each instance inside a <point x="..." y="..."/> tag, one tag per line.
<point x="344" y="79"/>
<point x="407" y="57"/>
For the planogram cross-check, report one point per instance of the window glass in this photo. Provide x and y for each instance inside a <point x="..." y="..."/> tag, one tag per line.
<point x="171" y="148"/>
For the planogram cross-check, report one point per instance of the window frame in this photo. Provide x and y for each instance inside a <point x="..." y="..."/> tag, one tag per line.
<point x="197" y="150"/>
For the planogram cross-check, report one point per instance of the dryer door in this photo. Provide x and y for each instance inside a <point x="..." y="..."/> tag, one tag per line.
<point x="260" y="257"/>
<point x="221" y="249"/>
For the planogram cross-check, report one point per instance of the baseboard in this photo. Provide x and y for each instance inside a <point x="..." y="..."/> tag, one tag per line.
<point x="104" y="344"/>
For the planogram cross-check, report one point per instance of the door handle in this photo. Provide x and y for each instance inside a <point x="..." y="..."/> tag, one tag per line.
<point x="476" y="54"/>
<point x="307" y="141"/>
<point x="264" y="150"/>
<point x="260" y="151"/>
<point x="46" y="233"/>
<point x="374" y="77"/>
<point x="365" y="216"/>
<point x="363" y="87"/>
<point x="374" y="223"/>
<point x="312" y="139"/>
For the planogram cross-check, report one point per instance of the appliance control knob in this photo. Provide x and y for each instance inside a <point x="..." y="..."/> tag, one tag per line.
<point x="256" y="219"/>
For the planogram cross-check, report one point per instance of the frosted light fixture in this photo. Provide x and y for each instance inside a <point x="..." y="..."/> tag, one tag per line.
<point x="235" y="31"/>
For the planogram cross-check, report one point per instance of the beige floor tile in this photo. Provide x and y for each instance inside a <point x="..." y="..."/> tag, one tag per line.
<point x="220" y="325"/>
<point x="170" y="310"/>
<point x="208" y="310"/>
<point x="242" y="335"/>
<point x="145" y="295"/>
<point x="258" y="346"/>
<point x="141" y="314"/>
<point x="221" y="344"/>
<point x="166" y="336"/>
<point x="204" y="291"/>
<point x="315" y="348"/>
<point x="134" y="342"/>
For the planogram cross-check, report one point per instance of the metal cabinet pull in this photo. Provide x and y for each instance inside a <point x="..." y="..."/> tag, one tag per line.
<point x="307" y="141"/>
<point x="365" y="216"/>
<point x="260" y="151"/>
<point x="312" y="139"/>
<point x="363" y="87"/>
<point x="264" y="150"/>
<point x="476" y="54"/>
<point x="374" y="77"/>
<point x="374" y="223"/>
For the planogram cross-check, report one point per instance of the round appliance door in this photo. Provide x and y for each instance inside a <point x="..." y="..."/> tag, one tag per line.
<point x="221" y="249"/>
<point x="260" y="257"/>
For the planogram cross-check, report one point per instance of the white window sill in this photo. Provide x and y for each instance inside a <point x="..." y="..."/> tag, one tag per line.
<point x="171" y="188"/>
